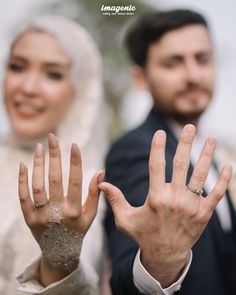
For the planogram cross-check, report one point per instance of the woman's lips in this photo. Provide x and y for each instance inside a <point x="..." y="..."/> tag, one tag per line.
<point x="26" y="111"/>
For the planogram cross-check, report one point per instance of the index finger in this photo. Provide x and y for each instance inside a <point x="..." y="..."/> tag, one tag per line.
<point x="157" y="161"/>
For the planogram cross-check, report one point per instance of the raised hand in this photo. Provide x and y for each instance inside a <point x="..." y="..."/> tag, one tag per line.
<point x="173" y="217"/>
<point x="58" y="223"/>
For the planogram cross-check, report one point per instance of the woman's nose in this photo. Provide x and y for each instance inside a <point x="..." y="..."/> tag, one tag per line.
<point x="30" y="84"/>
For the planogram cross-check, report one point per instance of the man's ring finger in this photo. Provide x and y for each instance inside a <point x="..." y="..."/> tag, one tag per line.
<point x="194" y="190"/>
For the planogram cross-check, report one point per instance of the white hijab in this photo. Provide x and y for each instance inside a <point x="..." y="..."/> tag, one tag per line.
<point x="83" y="124"/>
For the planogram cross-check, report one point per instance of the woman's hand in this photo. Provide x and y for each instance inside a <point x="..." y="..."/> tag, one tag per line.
<point x="58" y="223"/>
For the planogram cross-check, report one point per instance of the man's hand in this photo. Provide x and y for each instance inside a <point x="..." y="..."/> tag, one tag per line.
<point x="173" y="218"/>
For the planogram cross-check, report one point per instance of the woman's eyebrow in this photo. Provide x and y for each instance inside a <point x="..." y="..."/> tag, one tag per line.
<point x="57" y="64"/>
<point x="46" y="63"/>
<point x="18" y="58"/>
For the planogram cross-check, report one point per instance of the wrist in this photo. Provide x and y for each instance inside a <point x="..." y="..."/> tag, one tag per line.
<point x="167" y="270"/>
<point x="49" y="273"/>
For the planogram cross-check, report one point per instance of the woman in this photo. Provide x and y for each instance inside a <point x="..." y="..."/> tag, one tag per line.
<point x="52" y="84"/>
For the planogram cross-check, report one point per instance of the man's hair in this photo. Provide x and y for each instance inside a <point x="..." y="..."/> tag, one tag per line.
<point x="152" y="26"/>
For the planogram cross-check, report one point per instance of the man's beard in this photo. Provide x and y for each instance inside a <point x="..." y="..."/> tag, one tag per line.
<point x="187" y="118"/>
<point x="184" y="117"/>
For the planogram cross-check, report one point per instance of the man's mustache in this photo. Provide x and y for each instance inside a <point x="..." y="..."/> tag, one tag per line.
<point x="191" y="88"/>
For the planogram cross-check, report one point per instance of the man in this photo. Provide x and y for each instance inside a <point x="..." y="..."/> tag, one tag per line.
<point x="173" y="57"/>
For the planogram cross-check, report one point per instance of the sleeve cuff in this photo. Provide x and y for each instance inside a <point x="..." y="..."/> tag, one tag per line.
<point x="83" y="280"/>
<point x="148" y="285"/>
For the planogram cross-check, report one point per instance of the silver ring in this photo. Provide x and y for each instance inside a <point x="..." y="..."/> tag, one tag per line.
<point x="41" y="205"/>
<point x="194" y="190"/>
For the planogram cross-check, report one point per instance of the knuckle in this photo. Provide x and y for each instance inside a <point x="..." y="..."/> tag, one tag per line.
<point x="208" y="151"/>
<point x="177" y="206"/>
<point x="75" y="182"/>
<point x="38" y="190"/>
<point x="154" y="205"/>
<point x="22" y="197"/>
<point x="225" y="178"/>
<point x="74" y="214"/>
<point x="157" y="166"/>
<point x="180" y="165"/>
<point x="53" y="152"/>
<point x="157" y="144"/>
<point x="173" y="207"/>
<point x="200" y="175"/>
<point x="151" y="194"/>
<point x="93" y="191"/>
<point x="218" y="193"/>
<point x="55" y="180"/>
<point x="112" y="200"/>
<point x="157" y="204"/>
<point x="37" y="161"/>
<point x="21" y="179"/>
<point x="161" y="203"/>
<point x="186" y="138"/>
<point x="76" y="161"/>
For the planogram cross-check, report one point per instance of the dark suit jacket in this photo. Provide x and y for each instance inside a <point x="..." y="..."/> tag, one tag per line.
<point x="213" y="269"/>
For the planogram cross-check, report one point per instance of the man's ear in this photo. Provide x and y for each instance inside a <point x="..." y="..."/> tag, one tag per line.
<point x="139" y="78"/>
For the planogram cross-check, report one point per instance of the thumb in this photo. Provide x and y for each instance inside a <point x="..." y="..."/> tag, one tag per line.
<point x="115" y="198"/>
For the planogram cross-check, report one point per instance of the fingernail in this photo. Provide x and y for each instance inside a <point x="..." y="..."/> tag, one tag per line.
<point x="159" y="137"/>
<point x="101" y="177"/>
<point x="189" y="129"/>
<point x="74" y="148"/>
<point x="22" y="167"/>
<point x="52" y="140"/>
<point x="211" y="141"/>
<point x="161" y="133"/>
<point x="39" y="150"/>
